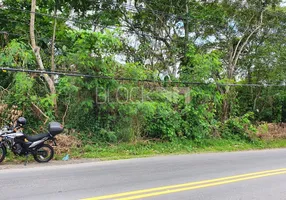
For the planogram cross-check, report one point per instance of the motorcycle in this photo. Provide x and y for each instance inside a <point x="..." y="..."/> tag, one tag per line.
<point x="24" y="145"/>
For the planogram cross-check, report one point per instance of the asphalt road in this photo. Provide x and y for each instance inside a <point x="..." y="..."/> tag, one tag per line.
<point x="217" y="176"/>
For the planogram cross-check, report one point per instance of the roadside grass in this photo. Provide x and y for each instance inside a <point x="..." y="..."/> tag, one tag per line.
<point x="156" y="148"/>
<point x="147" y="148"/>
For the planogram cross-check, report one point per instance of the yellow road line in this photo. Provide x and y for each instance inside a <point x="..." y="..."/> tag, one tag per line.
<point x="198" y="187"/>
<point x="237" y="177"/>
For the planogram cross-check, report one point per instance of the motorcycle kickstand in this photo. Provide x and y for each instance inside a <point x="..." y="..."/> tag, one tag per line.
<point x="26" y="161"/>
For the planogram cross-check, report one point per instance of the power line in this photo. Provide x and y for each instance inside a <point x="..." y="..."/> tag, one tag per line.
<point x="25" y="36"/>
<point x="74" y="74"/>
<point x="8" y="33"/>
<point x="14" y="21"/>
<point x="132" y="8"/>
<point x="124" y="5"/>
<point x="54" y="16"/>
<point x="109" y="27"/>
<point x="128" y="7"/>
<point x="5" y="32"/>
<point x="41" y="38"/>
<point x="137" y="32"/>
<point x="135" y="9"/>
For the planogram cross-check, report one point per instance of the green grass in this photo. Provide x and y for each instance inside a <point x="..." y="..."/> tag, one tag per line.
<point x="143" y="149"/>
<point x="147" y="149"/>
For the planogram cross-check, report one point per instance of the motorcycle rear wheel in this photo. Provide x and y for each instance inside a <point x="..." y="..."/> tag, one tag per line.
<point x="2" y="153"/>
<point x="43" y="153"/>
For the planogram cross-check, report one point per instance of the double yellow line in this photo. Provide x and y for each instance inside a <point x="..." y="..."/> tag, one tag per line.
<point x="139" y="194"/>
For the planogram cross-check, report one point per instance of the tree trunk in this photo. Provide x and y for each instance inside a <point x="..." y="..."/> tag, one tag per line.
<point x="235" y="52"/>
<point x="36" y="50"/>
<point x="249" y="74"/>
<point x="225" y="110"/>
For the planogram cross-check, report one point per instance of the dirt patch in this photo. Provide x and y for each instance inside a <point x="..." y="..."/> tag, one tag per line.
<point x="33" y="164"/>
<point x="271" y="131"/>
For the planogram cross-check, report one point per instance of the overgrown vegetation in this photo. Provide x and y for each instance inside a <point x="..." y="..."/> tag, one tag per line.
<point x="225" y="71"/>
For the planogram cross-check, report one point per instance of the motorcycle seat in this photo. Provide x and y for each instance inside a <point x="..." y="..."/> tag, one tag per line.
<point x="34" y="138"/>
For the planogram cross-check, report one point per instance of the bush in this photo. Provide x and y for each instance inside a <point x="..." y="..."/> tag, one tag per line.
<point x="165" y="123"/>
<point x="239" y="128"/>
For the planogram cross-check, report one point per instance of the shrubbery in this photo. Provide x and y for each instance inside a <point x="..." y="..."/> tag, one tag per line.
<point x="111" y="110"/>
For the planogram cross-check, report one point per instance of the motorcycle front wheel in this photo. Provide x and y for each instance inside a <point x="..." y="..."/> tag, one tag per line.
<point x="43" y="153"/>
<point x="2" y="153"/>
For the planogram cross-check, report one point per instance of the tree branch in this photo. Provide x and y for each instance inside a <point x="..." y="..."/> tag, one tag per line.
<point x="237" y="46"/>
<point x="40" y="111"/>
<point x="136" y="31"/>
<point x="249" y="36"/>
<point x="63" y="119"/>
<point x="166" y="31"/>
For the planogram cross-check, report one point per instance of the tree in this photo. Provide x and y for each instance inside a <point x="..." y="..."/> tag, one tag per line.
<point x="36" y="51"/>
<point x="233" y="28"/>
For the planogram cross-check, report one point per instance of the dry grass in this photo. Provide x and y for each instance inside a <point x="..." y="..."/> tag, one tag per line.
<point x="271" y="131"/>
<point x="65" y="143"/>
<point x="10" y="114"/>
